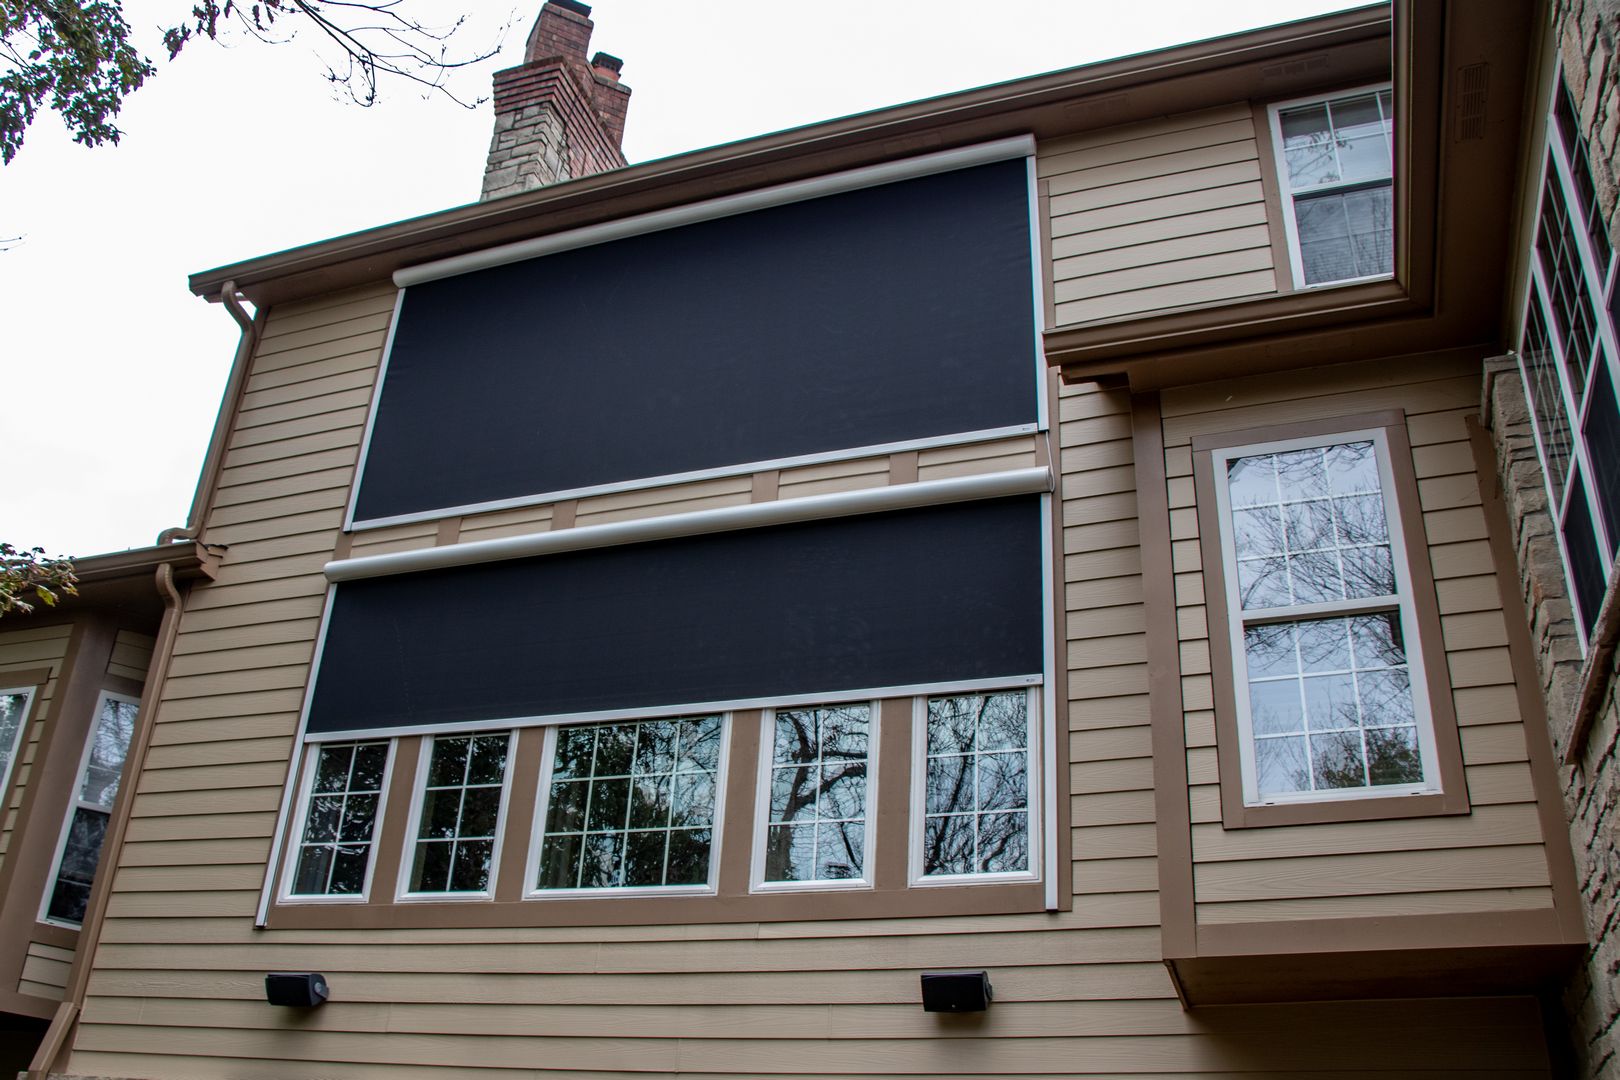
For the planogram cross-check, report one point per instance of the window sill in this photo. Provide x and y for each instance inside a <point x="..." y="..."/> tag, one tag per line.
<point x="1365" y="808"/>
<point x="812" y="905"/>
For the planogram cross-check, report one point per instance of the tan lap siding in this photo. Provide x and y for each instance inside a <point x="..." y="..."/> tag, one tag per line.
<point x="1156" y="216"/>
<point x="45" y="971"/>
<point x="29" y="649"/>
<point x="131" y="655"/>
<point x="176" y="987"/>
<point x="1489" y="860"/>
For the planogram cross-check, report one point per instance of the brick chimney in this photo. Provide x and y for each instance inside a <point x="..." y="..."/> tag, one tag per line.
<point x="557" y="115"/>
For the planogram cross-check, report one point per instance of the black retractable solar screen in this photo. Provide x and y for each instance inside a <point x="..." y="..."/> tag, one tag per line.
<point x="894" y="599"/>
<point x="887" y="314"/>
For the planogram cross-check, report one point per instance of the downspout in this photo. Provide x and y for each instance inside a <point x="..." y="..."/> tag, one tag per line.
<point x="230" y="404"/>
<point x="57" y="1036"/>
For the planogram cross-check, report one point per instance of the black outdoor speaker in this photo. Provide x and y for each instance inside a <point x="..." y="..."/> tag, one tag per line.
<point x="300" y="989"/>
<point x="956" y="991"/>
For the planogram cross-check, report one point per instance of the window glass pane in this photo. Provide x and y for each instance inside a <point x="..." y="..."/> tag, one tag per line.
<point x="631" y="804"/>
<point x="109" y="744"/>
<point x="1308" y="146"/>
<point x="12" y="708"/>
<point x="1537" y="362"/>
<point x="1602" y="431"/>
<point x="818" y="793"/>
<point x="1324" y="535"/>
<point x="340" y="821"/>
<point x="1346" y="234"/>
<point x="1359" y="132"/>
<point x="460" y="813"/>
<point x="1328" y="700"/>
<point x="976" y="784"/>
<point x="70" y="895"/>
<point x="1585" y="560"/>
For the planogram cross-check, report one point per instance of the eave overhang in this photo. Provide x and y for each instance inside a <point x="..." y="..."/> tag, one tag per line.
<point x="1457" y="160"/>
<point x="1274" y="62"/>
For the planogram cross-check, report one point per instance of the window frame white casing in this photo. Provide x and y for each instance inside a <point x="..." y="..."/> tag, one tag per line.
<point x="762" y="804"/>
<point x="537" y="834"/>
<point x="1035" y="801"/>
<point x="29" y="693"/>
<point x="1286" y="194"/>
<point x="1555" y="167"/>
<point x="1404" y="605"/>
<point x="76" y="802"/>
<point x="306" y="785"/>
<point x="413" y="823"/>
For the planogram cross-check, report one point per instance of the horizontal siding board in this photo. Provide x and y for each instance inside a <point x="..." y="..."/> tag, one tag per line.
<point x="1381" y="872"/>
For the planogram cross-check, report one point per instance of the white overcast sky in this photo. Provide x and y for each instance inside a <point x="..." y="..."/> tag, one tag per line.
<point x="113" y="371"/>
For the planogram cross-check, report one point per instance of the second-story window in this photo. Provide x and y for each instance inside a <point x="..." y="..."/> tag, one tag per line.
<point x="1568" y="358"/>
<point x="1335" y="164"/>
<point x="977" y="788"/>
<point x="458" y="827"/>
<point x="818" y="829"/>
<point x="1320" y="608"/>
<point x="333" y="857"/>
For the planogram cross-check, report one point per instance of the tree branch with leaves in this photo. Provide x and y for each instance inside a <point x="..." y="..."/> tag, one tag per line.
<point x="28" y="574"/>
<point x="76" y="58"/>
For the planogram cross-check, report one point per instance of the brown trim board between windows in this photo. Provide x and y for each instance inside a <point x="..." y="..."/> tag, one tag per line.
<point x="890" y="897"/>
<point x="1453" y="795"/>
<point x="1172" y="815"/>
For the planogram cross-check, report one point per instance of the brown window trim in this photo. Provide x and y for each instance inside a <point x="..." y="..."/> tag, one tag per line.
<point x="891" y="895"/>
<point x="1453" y="795"/>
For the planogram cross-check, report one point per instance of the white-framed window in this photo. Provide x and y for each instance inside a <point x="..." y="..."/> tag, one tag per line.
<point x="1335" y="163"/>
<point x="96" y="788"/>
<point x="814" y="825"/>
<point x="975" y="808"/>
<point x="459" y="806"/>
<point x="336" y="834"/>
<point x="14" y="703"/>
<point x="630" y="808"/>
<point x="1570" y="362"/>
<point x="1329" y="679"/>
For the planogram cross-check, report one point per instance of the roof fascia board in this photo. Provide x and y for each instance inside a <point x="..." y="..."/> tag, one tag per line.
<point x="864" y="139"/>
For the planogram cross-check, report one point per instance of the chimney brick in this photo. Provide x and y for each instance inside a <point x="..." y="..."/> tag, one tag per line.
<point x="557" y="115"/>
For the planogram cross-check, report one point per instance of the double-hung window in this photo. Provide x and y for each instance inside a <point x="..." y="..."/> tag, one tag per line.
<point x="815" y="812"/>
<point x="345" y="784"/>
<point x="460" y="793"/>
<point x="1568" y="357"/>
<point x="1328" y="683"/>
<point x="100" y="770"/>
<point x="1335" y="162"/>
<point x="973" y="816"/>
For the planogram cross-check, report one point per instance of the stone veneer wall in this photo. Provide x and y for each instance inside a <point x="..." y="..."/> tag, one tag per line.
<point x="1587" y="32"/>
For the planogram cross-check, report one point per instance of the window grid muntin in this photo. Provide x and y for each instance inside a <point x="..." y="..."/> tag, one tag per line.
<point x="1400" y="604"/>
<point x="1384" y="95"/>
<point x="337" y="846"/>
<point x="1597" y="280"/>
<point x="765" y="821"/>
<point x="96" y="812"/>
<point x="425" y="789"/>
<point x="919" y="811"/>
<point x="549" y="782"/>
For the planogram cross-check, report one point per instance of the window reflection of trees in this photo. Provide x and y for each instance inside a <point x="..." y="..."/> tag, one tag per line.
<point x="818" y="794"/>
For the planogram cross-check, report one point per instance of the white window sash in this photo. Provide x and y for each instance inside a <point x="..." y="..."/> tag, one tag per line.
<point x="1401" y="603"/>
<point x="413" y="826"/>
<point x="295" y="839"/>
<point x="762" y="808"/>
<point x="531" y="891"/>
<point x="1285" y="189"/>
<point x="1034" y="804"/>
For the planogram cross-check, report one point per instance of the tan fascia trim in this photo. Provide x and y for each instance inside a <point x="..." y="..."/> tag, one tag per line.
<point x="1081" y="98"/>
